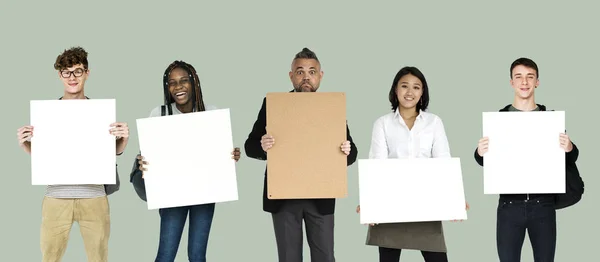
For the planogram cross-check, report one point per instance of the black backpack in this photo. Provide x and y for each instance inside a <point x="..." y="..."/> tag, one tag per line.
<point x="136" y="179"/>
<point x="574" y="183"/>
<point x="112" y="188"/>
<point x="136" y="174"/>
<point x="574" y="190"/>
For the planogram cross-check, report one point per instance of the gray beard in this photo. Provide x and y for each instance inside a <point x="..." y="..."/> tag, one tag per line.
<point x="300" y="89"/>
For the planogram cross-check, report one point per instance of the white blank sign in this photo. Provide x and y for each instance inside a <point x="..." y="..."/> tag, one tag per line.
<point x="410" y="190"/>
<point x="71" y="142"/>
<point x="524" y="153"/>
<point x="189" y="159"/>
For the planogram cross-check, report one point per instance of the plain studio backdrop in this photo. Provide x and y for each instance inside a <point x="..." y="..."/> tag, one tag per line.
<point x="243" y="49"/>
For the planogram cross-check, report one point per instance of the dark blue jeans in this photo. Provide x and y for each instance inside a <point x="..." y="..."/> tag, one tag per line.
<point x="172" y="222"/>
<point x="515" y="217"/>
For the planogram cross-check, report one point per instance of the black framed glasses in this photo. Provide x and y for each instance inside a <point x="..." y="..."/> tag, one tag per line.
<point x="77" y="73"/>
<point x="182" y="81"/>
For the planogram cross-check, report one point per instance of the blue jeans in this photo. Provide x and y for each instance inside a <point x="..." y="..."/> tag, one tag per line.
<point x="537" y="217"/>
<point x="172" y="222"/>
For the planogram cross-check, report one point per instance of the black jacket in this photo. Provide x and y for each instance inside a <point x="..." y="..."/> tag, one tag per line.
<point x="570" y="157"/>
<point x="254" y="150"/>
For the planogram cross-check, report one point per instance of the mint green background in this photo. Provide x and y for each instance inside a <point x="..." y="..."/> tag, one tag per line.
<point x="243" y="49"/>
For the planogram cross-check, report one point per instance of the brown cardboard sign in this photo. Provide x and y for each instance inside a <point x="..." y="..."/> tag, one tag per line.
<point x="306" y="161"/>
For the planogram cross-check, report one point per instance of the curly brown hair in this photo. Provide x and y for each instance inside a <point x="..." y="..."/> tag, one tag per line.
<point x="71" y="57"/>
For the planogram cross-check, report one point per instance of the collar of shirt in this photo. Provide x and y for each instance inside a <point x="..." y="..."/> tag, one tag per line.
<point x="392" y="139"/>
<point x="399" y="117"/>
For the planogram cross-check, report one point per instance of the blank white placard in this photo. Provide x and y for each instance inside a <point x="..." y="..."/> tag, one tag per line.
<point x="524" y="153"/>
<point x="189" y="159"/>
<point x="410" y="190"/>
<point x="71" y="142"/>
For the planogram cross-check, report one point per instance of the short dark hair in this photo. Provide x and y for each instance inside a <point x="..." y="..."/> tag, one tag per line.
<point x="409" y="70"/>
<point x="306" y="54"/>
<point x="71" y="57"/>
<point x="524" y="62"/>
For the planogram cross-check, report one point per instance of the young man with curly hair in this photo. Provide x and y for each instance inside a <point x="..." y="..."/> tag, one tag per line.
<point x="85" y="204"/>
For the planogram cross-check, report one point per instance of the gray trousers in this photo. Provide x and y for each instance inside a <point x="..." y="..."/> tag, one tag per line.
<point x="288" y="232"/>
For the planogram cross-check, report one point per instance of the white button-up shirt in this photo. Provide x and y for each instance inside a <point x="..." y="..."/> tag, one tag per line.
<point x="391" y="137"/>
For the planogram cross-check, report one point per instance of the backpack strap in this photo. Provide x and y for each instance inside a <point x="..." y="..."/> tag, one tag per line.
<point x="162" y="110"/>
<point x="543" y="107"/>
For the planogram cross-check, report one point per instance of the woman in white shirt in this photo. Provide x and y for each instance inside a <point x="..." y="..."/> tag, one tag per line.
<point x="409" y="132"/>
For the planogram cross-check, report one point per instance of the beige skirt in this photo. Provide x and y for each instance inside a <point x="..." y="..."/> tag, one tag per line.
<point x="424" y="236"/>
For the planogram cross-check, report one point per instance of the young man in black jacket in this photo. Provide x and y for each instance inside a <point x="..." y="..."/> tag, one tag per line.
<point x="318" y="214"/>
<point x="534" y="213"/>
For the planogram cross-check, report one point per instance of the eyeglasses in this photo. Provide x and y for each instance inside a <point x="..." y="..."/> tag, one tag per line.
<point x="182" y="81"/>
<point x="77" y="73"/>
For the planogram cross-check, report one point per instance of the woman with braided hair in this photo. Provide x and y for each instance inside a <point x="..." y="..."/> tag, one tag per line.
<point x="183" y="94"/>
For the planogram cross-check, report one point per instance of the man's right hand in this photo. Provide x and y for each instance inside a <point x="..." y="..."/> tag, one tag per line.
<point x="24" y="135"/>
<point x="142" y="164"/>
<point x="482" y="147"/>
<point x="267" y="142"/>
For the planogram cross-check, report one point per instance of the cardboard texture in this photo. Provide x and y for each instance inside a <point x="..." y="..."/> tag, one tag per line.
<point x="306" y="161"/>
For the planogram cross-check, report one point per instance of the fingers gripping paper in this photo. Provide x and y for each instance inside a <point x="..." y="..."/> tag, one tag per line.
<point x="306" y="160"/>
<point x="189" y="159"/>
<point x="524" y="154"/>
<point x="71" y="142"/>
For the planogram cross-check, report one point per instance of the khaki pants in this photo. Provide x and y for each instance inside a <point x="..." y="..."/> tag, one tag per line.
<point x="58" y="215"/>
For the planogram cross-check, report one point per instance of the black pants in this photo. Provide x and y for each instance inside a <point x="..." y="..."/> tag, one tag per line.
<point x="289" y="236"/>
<point x="537" y="217"/>
<point x="393" y="255"/>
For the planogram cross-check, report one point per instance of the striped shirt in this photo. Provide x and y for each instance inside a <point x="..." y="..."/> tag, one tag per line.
<point x="75" y="191"/>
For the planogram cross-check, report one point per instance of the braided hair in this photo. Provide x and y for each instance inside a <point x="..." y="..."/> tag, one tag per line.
<point x="198" y="102"/>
